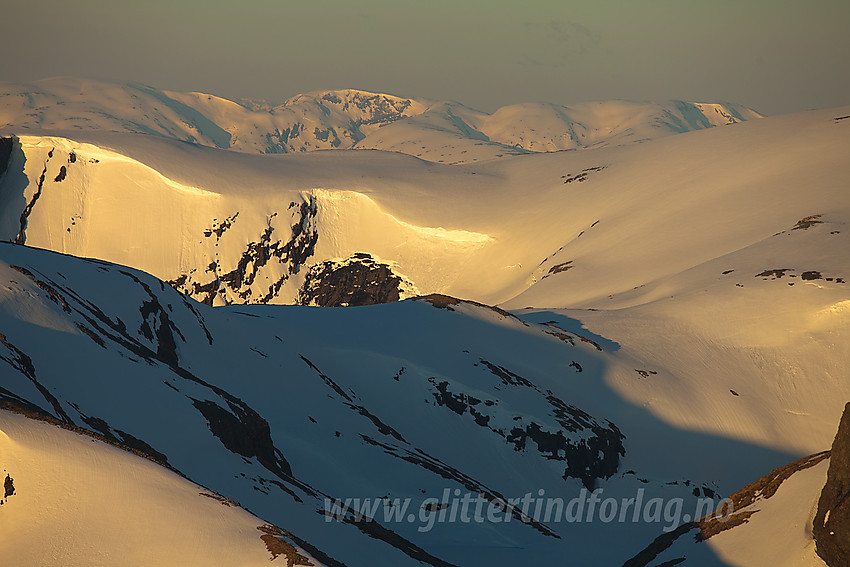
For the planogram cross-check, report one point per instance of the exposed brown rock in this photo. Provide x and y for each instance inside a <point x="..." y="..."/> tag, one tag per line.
<point x="359" y="280"/>
<point x="275" y="540"/>
<point x="446" y="301"/>
<point x="807" y="222"/>
<point x="734" y="513"/>
<point x="727" y="517"/>
<point x="832" y="522"/>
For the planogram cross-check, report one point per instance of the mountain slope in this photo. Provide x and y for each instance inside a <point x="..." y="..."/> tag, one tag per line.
<point x="445" y="132"/>
<point x="697" y="248"/>
<point x="772" y="524"/>
<point x="71" y="499"/>
<point x="795" y="515"/>
<point x="287" y="408"/>
<point x="643" y="219"/>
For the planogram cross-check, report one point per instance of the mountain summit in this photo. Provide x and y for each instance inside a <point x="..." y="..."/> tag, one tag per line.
<point x="439" y="131"/>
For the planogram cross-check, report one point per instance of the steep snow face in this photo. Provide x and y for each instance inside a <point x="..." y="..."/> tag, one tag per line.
<point x="71" y="499"/>
<point x="244" y="242"/>
<point x="445" y="132"/>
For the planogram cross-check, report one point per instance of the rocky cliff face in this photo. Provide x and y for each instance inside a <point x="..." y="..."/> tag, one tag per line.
<point x="5" y="154"/>
<point x="832" y="521"/>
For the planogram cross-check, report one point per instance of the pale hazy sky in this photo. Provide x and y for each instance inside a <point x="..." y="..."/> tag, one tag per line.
<point x="774" y="55"/>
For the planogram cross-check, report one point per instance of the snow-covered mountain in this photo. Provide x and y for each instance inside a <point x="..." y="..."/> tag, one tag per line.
<point x="669" y="319"/>
<point x="439" y="131"/>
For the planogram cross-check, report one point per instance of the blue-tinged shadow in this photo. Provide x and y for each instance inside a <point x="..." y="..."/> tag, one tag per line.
<point x="569" y="325"/>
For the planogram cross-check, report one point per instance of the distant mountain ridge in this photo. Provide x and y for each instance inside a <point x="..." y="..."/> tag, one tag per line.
<point x="439" y="131"/>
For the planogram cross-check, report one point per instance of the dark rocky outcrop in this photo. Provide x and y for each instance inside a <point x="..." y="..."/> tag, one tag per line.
<point x="245" y="432"/>
<point x="461" y="403"/>
<point x="832" y="522"/>
<point x="359" y="280"/>
<point x="6" y="146"/>
<point x="558" y="268"/>
<point x="21" y="362"/>
<point x="590" y="449"/>
<point x="507" y="377"/>
<point x="8" y="486"/>
<point x="807" y="222"/>
<point x="382" y="427"/>
<point x="123" y="439"/>
<point x="428" y="462"/>
<point x="658" y="546"/>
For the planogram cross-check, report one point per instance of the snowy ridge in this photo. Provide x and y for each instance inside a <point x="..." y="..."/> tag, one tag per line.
<point x="183" y="362"/>
<point x="655" y="245"/>
<point x="445" y="132"/>
<point x="73" y="500"/>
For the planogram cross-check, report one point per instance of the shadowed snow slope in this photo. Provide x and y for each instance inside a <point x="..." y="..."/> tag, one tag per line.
<point x="283" y="407"/>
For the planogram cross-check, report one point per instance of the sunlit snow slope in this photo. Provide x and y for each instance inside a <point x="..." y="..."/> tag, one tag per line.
<point x="439" y="131"/>
<point x="604" y="228"/>
<point x="71" y="499"/>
